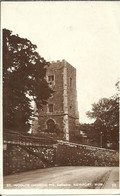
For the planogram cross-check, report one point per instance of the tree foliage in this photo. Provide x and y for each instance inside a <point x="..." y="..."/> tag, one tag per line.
<point x="106" y="111"/>
<point x="106" y="115"/>
<point x="24" y="72"/>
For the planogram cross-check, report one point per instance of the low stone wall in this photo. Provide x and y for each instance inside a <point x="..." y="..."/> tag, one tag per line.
<point x="18" y="158"/>
<point x="81" y="155"/>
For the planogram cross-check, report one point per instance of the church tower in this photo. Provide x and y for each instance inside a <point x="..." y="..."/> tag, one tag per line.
<point x="62" y="108"/>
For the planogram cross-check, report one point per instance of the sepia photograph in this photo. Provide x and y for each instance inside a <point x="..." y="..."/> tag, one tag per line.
<point x="60" y="97"/>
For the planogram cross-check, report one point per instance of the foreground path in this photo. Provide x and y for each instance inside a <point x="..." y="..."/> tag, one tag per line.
<point x="73" y="177"/>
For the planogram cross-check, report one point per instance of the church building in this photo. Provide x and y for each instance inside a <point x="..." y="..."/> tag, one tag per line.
<point x="62" y="108"/>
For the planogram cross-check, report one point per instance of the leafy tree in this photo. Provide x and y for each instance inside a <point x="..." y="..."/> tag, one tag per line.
<point x="24" y="72"/>
<point x="88" y="135"/>
<point x="106" y="115"/>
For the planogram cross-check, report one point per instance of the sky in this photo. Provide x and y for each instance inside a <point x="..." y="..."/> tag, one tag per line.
<point x="86" y="34"/>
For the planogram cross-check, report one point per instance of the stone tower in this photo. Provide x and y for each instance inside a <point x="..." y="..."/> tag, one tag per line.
<point x="62" y="107"/>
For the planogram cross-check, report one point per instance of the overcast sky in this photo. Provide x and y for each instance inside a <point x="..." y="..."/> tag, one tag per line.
<point x="86" y="34"/>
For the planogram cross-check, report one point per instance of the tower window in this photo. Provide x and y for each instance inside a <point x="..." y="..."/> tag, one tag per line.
<point x="51" y="78"/>
<point x="70" y="82"/>
<point x="51" y="125"/>
<point x="50" y="107"/>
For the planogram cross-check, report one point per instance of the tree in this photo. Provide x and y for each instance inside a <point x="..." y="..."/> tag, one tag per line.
<point x="106" y="115"/>
<point x="87" y="134"/>
<point x="24" y="72"/>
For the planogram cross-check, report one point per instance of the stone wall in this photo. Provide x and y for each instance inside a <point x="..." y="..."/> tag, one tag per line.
<point x="20" y="158"/>
<point x="55" y="69"/>
<point x="81" y="155"/>
<point x="58" y="120"/>
<point x="72" y="125"/>
<point x="23" y="158"/>
<point x="71" y="90"/>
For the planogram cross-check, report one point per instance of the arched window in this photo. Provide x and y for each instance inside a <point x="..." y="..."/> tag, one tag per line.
<point x="50" y="125"/>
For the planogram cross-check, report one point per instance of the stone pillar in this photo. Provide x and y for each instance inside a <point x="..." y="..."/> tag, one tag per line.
<point x="65" y="103"/>
<point x="76" y="110"/>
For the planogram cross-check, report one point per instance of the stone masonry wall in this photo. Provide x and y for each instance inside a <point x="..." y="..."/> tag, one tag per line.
<point x="72" y="100"/>
<point x="18" y="159"/>
<point x="71" y="88"/>
<point x="57" y="119"/>
<point x="72" y="129"/>
<point x="81" y="155"/>
<point x="55" y="69"/>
